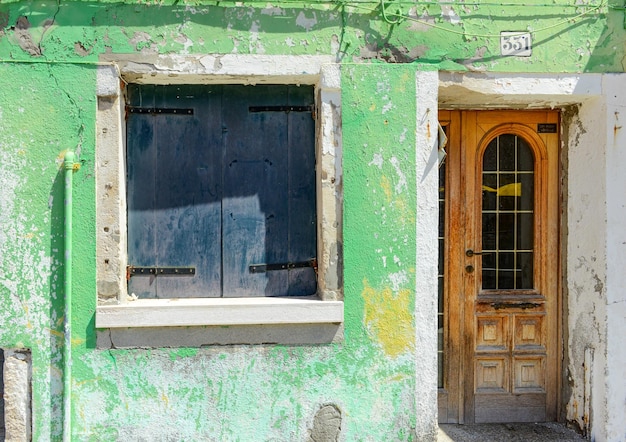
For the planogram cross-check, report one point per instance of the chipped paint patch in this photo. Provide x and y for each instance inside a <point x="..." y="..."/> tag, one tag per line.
<point x="377" y="161"/>
<point x="398" y="280"/>
<point x="306" y="22"/>
<point x="401" y="181"/>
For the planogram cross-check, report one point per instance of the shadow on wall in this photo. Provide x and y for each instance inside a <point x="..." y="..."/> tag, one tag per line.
<point x="360" y="32"/>
<point x="57" y="297"/>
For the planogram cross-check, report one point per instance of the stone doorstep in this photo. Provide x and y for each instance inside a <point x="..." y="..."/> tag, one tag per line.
<point x="519" y="432"/>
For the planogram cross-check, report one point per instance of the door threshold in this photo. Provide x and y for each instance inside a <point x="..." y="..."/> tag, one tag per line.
<point x="526" y="432"/>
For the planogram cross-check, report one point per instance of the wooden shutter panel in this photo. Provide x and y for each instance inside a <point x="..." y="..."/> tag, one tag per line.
<point x="221" y="189"/>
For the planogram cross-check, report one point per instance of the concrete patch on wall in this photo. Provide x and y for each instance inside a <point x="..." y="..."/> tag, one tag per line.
<point x="326" y="425"/>
<point x="17" y="395"/>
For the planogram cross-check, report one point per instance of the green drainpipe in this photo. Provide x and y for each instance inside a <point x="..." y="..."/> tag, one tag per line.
<point x="68" y="167"/>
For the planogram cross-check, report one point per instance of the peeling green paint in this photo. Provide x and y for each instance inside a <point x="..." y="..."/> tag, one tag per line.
<point x="587" y="38"/>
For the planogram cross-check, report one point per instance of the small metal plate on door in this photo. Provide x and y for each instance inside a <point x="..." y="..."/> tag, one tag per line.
<point x="546" y="128"/>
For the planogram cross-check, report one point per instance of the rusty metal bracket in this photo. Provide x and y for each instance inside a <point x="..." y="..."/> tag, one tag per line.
<point x="286" y="109"/>
<point x="159" y="271"/>
<point x="158" y="110"/>
<point x="262" y="268"/>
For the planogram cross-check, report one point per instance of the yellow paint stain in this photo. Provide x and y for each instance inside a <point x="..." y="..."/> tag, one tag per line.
<point x="27" y="316"/>
<point x="386" y="185"/>
<point x="401" y="85"/>
<point x="388" y="319"/>
<point x="87" y="381"/>
<point x="61" y="156"/>
<point x="165" y="399"/>
<point x="404" y="214"/>
<point x="399" y="378"/>
<point x="77" y="341"/>
<point x="372" y="107"/>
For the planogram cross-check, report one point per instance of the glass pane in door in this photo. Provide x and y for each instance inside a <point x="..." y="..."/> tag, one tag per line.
<point x="508" y="214"/>
<point x="440" y="308"/>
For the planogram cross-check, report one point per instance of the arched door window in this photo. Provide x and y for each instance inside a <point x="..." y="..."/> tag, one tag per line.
<point x="508" y="174"/>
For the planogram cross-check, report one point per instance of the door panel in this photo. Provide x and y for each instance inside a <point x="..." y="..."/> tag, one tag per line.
<point x="502" y="266"/>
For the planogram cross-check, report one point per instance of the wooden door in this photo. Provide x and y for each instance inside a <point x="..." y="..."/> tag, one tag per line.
<point x="501" y="275"/>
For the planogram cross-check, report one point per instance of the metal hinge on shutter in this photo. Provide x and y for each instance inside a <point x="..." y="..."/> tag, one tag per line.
<point x="286" y="109"/>
<point x="159" y="271"/>
<point x="158" y="110"/>
<point x="262" y="268"/>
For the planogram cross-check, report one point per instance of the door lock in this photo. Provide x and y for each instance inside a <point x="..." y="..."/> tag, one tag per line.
<point x="469" y="268"/>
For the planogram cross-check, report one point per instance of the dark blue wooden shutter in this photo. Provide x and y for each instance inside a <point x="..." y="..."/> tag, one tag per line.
<point x="221" y="189"/>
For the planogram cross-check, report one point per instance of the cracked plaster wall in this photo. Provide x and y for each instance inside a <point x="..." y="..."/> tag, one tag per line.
<point x="595" y="313"/>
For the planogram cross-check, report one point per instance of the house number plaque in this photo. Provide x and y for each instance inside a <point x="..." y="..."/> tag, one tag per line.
<point x="517" y="44"/>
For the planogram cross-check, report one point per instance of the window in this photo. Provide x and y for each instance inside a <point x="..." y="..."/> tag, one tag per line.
<point x="508" y="214"/>
<point x="200" y="172"/>
<point x="221" y="190"/>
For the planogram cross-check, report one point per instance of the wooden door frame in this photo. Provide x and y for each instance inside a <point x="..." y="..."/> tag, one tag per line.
<point x="451" y="397"/>
<point x="456" y="397"/>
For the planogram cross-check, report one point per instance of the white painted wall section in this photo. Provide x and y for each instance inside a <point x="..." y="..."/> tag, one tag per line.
<point x="585" y="265"/>
<point x="615" y="87"/>
<point x="426" y="290"/>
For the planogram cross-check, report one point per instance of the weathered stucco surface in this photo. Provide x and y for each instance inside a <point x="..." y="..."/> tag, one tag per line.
<point x="586" y="36"/>
<point x="595" y="264"/>
<point x="379" y="382"/>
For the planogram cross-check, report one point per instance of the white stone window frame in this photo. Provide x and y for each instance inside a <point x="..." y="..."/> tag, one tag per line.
<point x="116" y="309"/>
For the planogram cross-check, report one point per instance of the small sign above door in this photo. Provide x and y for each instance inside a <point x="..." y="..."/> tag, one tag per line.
<point x="546" y="128"/>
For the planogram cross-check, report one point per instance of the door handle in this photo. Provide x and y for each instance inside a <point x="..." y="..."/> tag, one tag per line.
<point x="469" y="253"/>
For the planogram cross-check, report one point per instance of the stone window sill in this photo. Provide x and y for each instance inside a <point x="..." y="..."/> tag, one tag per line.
<point x="181" y="312"/>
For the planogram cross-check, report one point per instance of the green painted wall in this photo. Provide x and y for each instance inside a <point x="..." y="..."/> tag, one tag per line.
<point x="586" y="36"/>
<point x="47" y="105"/>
